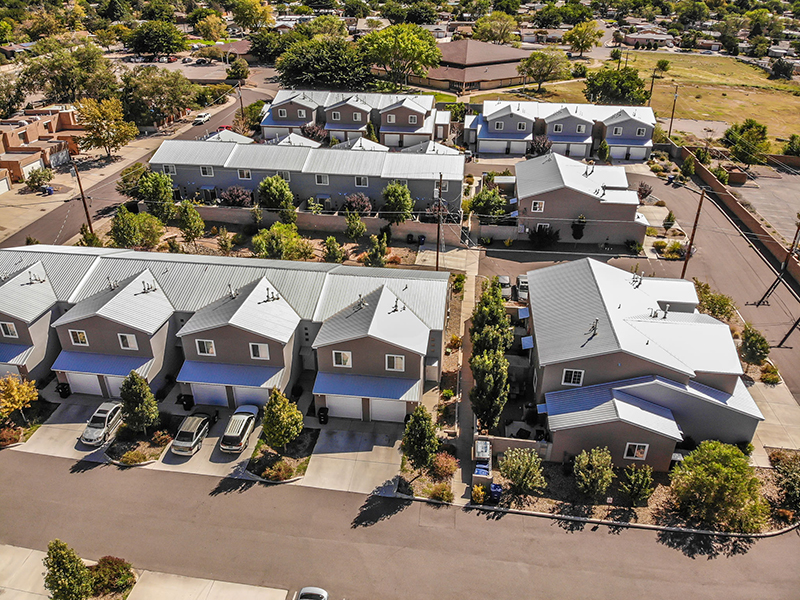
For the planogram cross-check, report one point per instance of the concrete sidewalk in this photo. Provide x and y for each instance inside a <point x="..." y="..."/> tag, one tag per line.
<point x="781" y="425"/>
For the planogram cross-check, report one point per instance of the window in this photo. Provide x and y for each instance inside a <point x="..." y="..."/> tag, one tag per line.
<point x="336" y="116"/>
<point x="543" y="227"/>
<point x="390" y="118"/>
<point x="402" y="182"/>
<point x="395" y="362"/>
<point x="282" y="113"/>
<point x="322" y="179"/>
<point x="617" y="131"/>
<point x="445" y="185"/>
<point x="412" y="119"/>
<point x="522" y="126"/>
<point x="498" y="125"/>
<point x="244" y="174"/>
<point x="284" y="175"/>
<point x="558" y="128"/>
<point x="362" y="181"/>
<point x="207" y="171"/>
<point x="169" y="169"/>
<point x="78" y="337"/>
<point x="127" y="341"/>
<point x="636" y="451"/>
<point x="580" y="129"/>
<point x="641" y="131"/>
<point x="9" y="330"/>
<point x="356" y="117"/>
<point x="259" y="351"/>
<point x="572" y="377"/>
<point x="537" y="206"/>
<point x="206" y="348"/>
<point x="301" y="113"/>
<point x="342" y="359"/>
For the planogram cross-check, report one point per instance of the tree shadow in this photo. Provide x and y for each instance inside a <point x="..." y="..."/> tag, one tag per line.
<point x="229" y="485"/>
<point x="621" y="514"/>
<point x="710" y="546"/>
<point x="84" y="466"/>
<point x="572" y="510"/>
<point x="378" y="508"/>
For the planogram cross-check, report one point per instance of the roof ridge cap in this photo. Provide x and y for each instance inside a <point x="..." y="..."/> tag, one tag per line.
<point x="603" y="301"/>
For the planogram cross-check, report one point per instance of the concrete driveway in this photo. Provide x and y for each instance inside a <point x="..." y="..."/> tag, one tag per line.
<point x="356" y="461"/>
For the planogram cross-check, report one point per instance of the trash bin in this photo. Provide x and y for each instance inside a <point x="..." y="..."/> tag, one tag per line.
<point x="421" y="240"/>
<point x="49" y="190"/>
<point x="322" y="415"/>
<point x="63" y="390"/>
<point x="670" y="178"/>
<point x="495" y="491"/>
<point x="410" y="238"/>
<point x="188" y="401"/>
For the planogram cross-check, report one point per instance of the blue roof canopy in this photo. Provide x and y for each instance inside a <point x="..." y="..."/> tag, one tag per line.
<point x="227" y="374"/>
<point x="364" y="386"/>
<point x="14" y="354"/>
<point x="102" y="364"/>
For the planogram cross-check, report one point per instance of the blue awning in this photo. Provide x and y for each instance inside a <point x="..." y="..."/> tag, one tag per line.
<point x="364" y="386"/>
<point x="524" y="313"/>
<point x="527" y="342"/>
<point x="102" y="364"/>
<point x="14" y="354"/>
<point x="226" y="374"/>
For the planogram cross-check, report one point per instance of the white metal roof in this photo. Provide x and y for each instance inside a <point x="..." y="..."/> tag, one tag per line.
<point x="193" y="152"/>
<point x="294" y="139"/>
<point x="361" y="143"/>
<point x="27" y="294"/>
<point x="226" y="135"/>
<point x="430" y="147"/>
<point x="543" y="110"/>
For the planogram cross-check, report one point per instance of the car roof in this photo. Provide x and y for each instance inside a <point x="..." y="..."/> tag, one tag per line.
<point x="237" y="423"/>
<point x="250" y="409"/>
<point x="193" y="422"/>
<point x="106" y="407"/>
<point x="503" y="278"/>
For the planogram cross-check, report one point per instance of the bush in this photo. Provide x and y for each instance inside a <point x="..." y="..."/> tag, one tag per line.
<point x="443" y="466"/>
<point x="633" y="246"/>
<point x="523" y="468"/>
<point x="280" y="471"/>
<point x="787" y="469"/>
<point x="656" y="168"/>
<point x="448" y="394"/>
<point x="638" y="484"/>
<point x="133" y="457"/>
<point x="458" y="283"/>
<point x="161" y="438"/>
<point x="755" y="347"/>
<point x="594" y="471"/>
<point x="479" y="494"/>
<point x="111" y="575"/>
<point x="674" y="251"/>
<point x="579" y="71"/>
<point x="236" y="196"/>
<point x="659" y="246"/>
<point x="541" y="239"/>
<point x="37" y="178"/>
<point x="239" y="239"/>
<point x="455" y="341"/>
<point x="721" y="175"/>
<point x="713" y="303"/>
<point x="358" y="203"/>
<point x="644" y="190"/>
<point x="441" y="492"/>
<point x="703" y="156"/>
<point x="669" y="220"/>
<point x="393" y="259"/>
<point x="687" y="168"/>
<point x="769" y="375"/>
<point x="9" y="435"/>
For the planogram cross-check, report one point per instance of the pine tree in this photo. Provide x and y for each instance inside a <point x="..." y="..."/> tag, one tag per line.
<point x="192" y="225"/>
<point x="282" y="421"/>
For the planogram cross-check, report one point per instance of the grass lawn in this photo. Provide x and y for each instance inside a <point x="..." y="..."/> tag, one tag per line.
<point x="441" y="96"/>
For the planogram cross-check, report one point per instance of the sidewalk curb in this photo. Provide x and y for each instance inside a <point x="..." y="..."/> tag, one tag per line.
<point x="122" y="465"/>
<point x="14" y="445"/>
<point x="254" y="477"/>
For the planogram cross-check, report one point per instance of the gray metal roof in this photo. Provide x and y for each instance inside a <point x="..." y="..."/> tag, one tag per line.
<point x="194" y="153"/>
<point x="267" y="156"/>
<point x="346" y="163"/>
<point x="328" y="99"/>
<point x="423" y="166"/>
<point x="28" y="294"/>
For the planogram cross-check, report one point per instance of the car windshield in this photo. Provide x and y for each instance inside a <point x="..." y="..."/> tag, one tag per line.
<point x="505" y="284"/>
<point x="523" y="285"/>
<point x="311" y="596"/>
<point x="97" y="421"/>
<point x="184" y="436"/>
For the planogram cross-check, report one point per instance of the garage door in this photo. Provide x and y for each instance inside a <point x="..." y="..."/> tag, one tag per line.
<point x="114" y="384"/>
<point x="618" y="151"/>
<point x="345" y="407"/>
<point x="26" y="170"/>
<point x="4" y="185"/>
<point x="213" y="395"/>
<point x="392" y="139"/>
<point x="82" y="383"/>
<point x="559" y="148"/>
<point x="519" y="147"/>
<point x="8" y="370"/>
<point x="250" y="395"/>
<point x="353" y="135"/>
<point x="638" y="153"/>
<point x="492" y="147"/>
<point x="387" y="410"/>
<point x="579" y="150"/>
<point x="413" y="140"/>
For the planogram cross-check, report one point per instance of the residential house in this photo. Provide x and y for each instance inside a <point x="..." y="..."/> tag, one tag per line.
<point x="238" y="49"/>
<point x="437" y="31"/>
<point x="627" y="362"/>
<point x="5" y="180"/>
<point x="656" y="37"/>
<point x="209" y="168"/>
<point x="553" y="191"/>
<point x="713" y="45"/>
<point x="542" y="36"/>
<point x="413" y="121"/>
<point x="365" y="25"/>
<point x="289" y="114"/>
<point x="12" y="51"/>
<point x="294" y="139"/>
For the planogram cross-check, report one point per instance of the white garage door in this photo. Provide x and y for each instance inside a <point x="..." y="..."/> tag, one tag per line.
<point x="392" y="139"/>
<point x="83" y="383"/>
<point x="345" y="407"/>
<point x="353" y="135"/>
<point x="387" y="410"/>
<point x="26" y="170"/>
<point x="213" y="395"/>
<point x="579" y="150"/>
<point x="559" y="148"/>
<point x="618" y="151"/>
<point x="638" y="153"/>
<point x="413" y="140"/>
<point x="8" y="370"/>
<point x="492" y="147"/>
<point x="4" y="185"/>
<point x="250" y="395"/>
<point x="519" y="147"/>
<point x="114" y="384"/>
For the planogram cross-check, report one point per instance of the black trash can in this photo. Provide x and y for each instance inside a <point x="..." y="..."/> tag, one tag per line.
<point x="410" y="238"/>
<point x="322" y="415"/>
<point x="187" y="401"/>
<point x="63" y="390"/>
<point x="421" y="240"/>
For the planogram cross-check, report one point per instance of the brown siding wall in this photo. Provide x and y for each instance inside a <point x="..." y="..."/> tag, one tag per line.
<point x="369" y="358"/>
<point x="291" y="112"/>
<point x="102" y="337"/>
<point x="232" y="346"/>
<point x="346" y="116"/>
<point x="401" y="115"/>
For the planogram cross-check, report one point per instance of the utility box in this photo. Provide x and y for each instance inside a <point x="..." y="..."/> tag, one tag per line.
<point x="482" y="454"/>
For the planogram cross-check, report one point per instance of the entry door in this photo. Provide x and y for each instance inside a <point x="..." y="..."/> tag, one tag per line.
<point x="84" y="383"/>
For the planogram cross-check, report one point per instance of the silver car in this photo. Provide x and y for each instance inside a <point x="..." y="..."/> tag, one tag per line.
<point x="103" y="423"/>
<point x="312" y="593"/>
<point x="522" y="287"/>
<point x="505" y="286"/>
<point x="191" y="433"/>
<point x="241" y="425"/>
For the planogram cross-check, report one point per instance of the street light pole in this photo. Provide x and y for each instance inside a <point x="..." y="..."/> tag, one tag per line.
<point x="784" y="266"/>
<point x="83" y="196"/>
<point x="672" y="116"/>
<point x="652" y="85"/>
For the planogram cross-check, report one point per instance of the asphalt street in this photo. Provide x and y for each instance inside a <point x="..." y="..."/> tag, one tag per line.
<point x="362" y="547"/>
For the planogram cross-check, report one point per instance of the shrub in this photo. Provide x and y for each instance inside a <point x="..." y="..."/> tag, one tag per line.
<point x="594" y="471"/>
<point x="674" y="250"/>
<point x="356" y="228"/>
<point x="133" y="457"/>
<point x="523" y="468"/>
<point x="660" y="203"/>
<point x="111" y="575"/>
<point x="455" y="341"/>
<point x="644" y="190"/>
<point x="280" y="471"/>
<point x="358" y="203"/>
<point x="687" y="168"/>
<point x="659" y="246"/>
<point x="447" y="394"/>
<point x="236" y="196"/>
<point x="239" y="239"/>
<point x="669" y="220"/>
<point x="161" y="438"/>
<point x="393" y="259"/>
<point x="37" y="178"/>
<point x="633" y="246"/>
<point x="458" y="283"/>
<point x="656" y="168"/>
<point x="441" y="492"/>
<point x="544" y="238"/>
<point x="443" y="466"/>
<point x="769" y="375"/>
<point x="470" y="179"/>
<point x="721" y="175"/>
<point x="638" y="484"/>
<point x="755" y="347"/>
<point x="478" y="493"/>
<point x="703" y="156"/>
<point x="713" y="303"/>
<point x="787" y="470"/>
<point x="333" y="252"/>
<point x="9" y="435"/>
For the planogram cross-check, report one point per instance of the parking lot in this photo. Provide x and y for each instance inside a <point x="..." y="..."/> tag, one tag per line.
<point x="775" y="195"/>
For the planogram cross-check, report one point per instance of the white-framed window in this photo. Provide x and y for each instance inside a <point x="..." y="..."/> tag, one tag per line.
<point x="336" y="115"/>
<point x="78" y="337"/>
<point x="617" y="131"/>
<point x="9" y="330"/>
<point x="362" y="181"/>
<point x="127" y="341"/>
<point x="395" y="362"/>
<point x="390" y="118"/>
<point x="282" y="113"/>
<point x="537" y="206"/>
<point x="498" y="125"/>
<point x="356" y="117"/>
<point x="169" y="169"/>
<point x="445" y="186"/>
<point x="206" y="347"/>
<point x="558" y="128"/>
<point x="259" y="351"/>
<point x="402" y="182"/>
<point x="342" y="358"/>
<point x="301" y="113"/>
<point x="572" y="377"/>
<point x="322" y="179"/>
<point x="580" y="129"/>
<point x="245" y="174"/>
<point x="285" y="175"/>
<point x="207" y="171"/>
<point x="412" y="119"/>
<point x="635" y="451"/>
<point x="522" y="126"/>
<point x="543" y="227"/>
<point x="641" y="131"/>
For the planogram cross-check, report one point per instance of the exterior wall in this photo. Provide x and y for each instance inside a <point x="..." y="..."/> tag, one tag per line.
<point x="25" y="336"/>
<point x="628" y="133"/>
<point x="510" y="126"/>
<point x="718" y="381"/>
<point x="570" y="125"/>
<point x="369" y="358"/>
<point x="102" y="336"/>
<point x="159" y="343"/>
<point x="401" y="115"/>
<point x="45" y="346"/>
<point x="19" y="162"/>
<point x="291" y="108"/>
<point x="346" y="116"/>
<point x="614" y="436"/>
<point x="233" y="347"/>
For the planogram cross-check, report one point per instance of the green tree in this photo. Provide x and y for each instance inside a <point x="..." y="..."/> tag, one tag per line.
<point x="124" y="231"/>
<point x="116" y="10"/>
<point x="668" y="221"/>
<point x="663" y="65"/>
<point x="37" y="178"/>
<point x="269" y="45"/>
<point x="89" y="239"/>
<point x="158" y="10"/>
<point x="488" y="203"/>
<point x="200" y="13"/>
<point x="691" y="11"/>
<point x="401" y="50"/>
<point x="282" y="422"/>
<point x="615" y="87"/>
<point x="356" y="9"/>
<point x="421" y="13"/>
<point x="755" y="347"/>
<point x="211" y="28"/>
<point x="356" y="228"/>
<point x="523" y="468"/>
<point x="420" y="443"/>
<point x="750" y="148"/>
<point x="224" y="241"/>
<point x="497" y="28"/>
<point x="687" y="167"/>
<point x="376" y="253"/>
<point x="583" y="36"/>
<point x="716" y="487"/>
<point x="105" y="38"/>
<point x="128" y="182"/>
<point x="16" y="394"/>
<point x="394" y="12"/>
<point x="139" y="406"/>
<point x="66" y="577"/>
<point x="333" y="252"/>
<point x="282" y="241"/>
<point x="274" y="193"/>
<point x="638" y="484"/>
<point x="324" y="63"/>
<point x="252" y="14"/>
<point x="782" y="69"/>
<point x="548" y="65"/>
<point x="594" y="472"/>
<point x="11" y="95"/>
<point x="192" y="226"/>
<point x="792" y="147"/>
<point x="155" y="190"/>
<point x="157" y="38"/>
<point x="491" y="325"/>
<point x="150" y="230"/>
<point x="397" y="203"/>
<point x="103" y="125"/>
<point x="150" y="94"/>
<point x="324" y="25"/>
<point x="713" y="303"/>
<point x="603" y="151"/>
<point x="238" y="70"/>
<point x="489" y="393"/>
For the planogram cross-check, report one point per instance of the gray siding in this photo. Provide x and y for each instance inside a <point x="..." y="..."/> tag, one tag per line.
<point x="510" y="123"/>
<point x="232" y="346"/>
<point x="369" y="358"/>
<point x="628" y="132"/>
<point x="569" y="128"/>
<point x="346" y="114"/>
<point x="102" y="337"/>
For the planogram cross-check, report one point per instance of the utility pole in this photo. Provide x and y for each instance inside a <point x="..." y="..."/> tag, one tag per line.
<point x="241" y="101"/>
<point x="83" y="196"/>
<point x="652" y="85"/>
<point x="439" y="220"/>
<point x="784" y="265"/>
<point x="672" y="116"/>
<point x="627" y="54"/>
<point x="694" y="230"/>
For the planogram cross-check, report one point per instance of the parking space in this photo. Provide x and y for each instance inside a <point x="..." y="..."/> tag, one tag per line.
<point x="776" y="196"/>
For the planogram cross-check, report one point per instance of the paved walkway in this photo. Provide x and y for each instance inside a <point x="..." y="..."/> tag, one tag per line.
<point x="781" y="425"/>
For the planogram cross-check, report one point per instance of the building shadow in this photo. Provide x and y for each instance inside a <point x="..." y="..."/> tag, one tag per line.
<point x="84" y="466"/>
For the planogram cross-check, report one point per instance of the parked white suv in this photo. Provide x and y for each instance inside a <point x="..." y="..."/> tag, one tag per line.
<point x="522" y="287"/>
<point x="191" y="433"/>
<point x="241" y="425"/>
<point x="505" y="286"/>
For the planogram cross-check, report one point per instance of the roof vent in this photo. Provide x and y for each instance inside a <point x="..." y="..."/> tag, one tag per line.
<point x="271" y="296"/>
<point x="112" y="283"/>
<point x="666" y="312"/>
<point x="148" y="287"/>
<point x="4" y="275"/>
<point x="231" y="292"/>
<point x="34" y="278"/>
